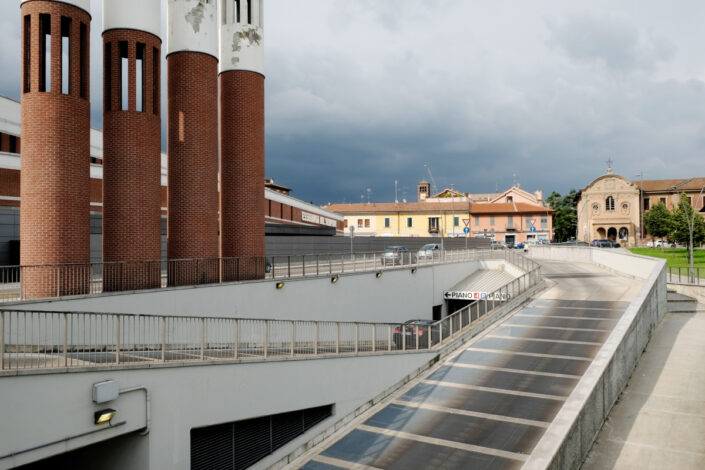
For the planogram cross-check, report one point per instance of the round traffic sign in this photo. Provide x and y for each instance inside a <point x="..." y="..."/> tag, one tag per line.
<point x="466" y="230"/>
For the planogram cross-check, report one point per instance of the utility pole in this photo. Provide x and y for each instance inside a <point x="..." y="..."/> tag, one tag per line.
<point x="641" y="209"/>
<point x="452" y="198"/>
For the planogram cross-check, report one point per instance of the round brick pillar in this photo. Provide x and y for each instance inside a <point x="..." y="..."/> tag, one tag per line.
<point x="192" y="144"/>
<point x="242" y="140"/>
<point x="54" y="189"/>
<point x="132" y="160"/>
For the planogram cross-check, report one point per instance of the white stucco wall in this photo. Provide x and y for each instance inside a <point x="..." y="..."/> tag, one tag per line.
<point x="241" y="43"/>
<point x="142" y="15"/>
<point x="192" y="25"/>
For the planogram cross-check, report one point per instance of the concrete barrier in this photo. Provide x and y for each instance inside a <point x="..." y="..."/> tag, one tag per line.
<point x="574" y="430"/>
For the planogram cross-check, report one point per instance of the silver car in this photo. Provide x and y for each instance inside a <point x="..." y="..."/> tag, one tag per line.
<point x="429" y="251"/>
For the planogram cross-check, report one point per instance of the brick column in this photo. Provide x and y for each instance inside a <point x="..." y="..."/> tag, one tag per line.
<point x="54" y="190"/>
<point x="192" y="145"/>
<point x="242" y="140"/>
<point x="131" y="146"/>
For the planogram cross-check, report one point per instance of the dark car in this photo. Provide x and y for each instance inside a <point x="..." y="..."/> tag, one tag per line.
<point x="267" y="265"/>
<point x="396" y="255"/>
<point x="421" y="329"/>
<point x="603" y="243"/>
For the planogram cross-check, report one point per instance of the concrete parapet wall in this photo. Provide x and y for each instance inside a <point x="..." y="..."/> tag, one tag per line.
<point x="572" y="433"/>
<point x="397" y="296"/>
<point x="615" y="260"/>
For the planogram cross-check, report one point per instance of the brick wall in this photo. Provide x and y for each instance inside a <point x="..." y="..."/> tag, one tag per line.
<point x="131" y="165"/>
<point x="242" y="169"/>
<point x="192" y="147"/>
<point x="55" y="156"/>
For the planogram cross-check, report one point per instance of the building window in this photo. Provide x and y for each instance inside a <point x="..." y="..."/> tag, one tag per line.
<point x="387" y="222"/>
<point x="663" y="200"/>
<point x="456" y="221"/>
<point x="544" y="221"/>
<point x="83" y="61"/>
<point x="491" y="220"/>
<point x="13" y="144"/>
<point x="409" y="222"/>
<point x="45" y="53"/>
<point x="27" y="52"/>
<point x="65" y="55"/>
<point x="528" y="221"/>
<point x="140" y="69"/>
<point x="345" y="223"/>
<point x="367" y="223"/>
<point x="510" y="199"/>
<point x="609" y="203"/>
<point x="359" y="223"/>
<point x="155" y="81"/>
<point x="107" y="78"/>
<point x="477" y="220"/>
<point x="433" y="224"/>
<point x="510" y="221"/>
<point x="690" y="201"/>
<point x="646" y="204"/>
<point x="124" y="75"/>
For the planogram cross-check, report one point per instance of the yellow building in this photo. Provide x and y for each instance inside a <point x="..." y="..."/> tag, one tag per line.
<point x="406" y="219"/>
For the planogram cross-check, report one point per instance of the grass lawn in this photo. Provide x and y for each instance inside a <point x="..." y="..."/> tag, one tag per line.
<point x="675" y="257"/>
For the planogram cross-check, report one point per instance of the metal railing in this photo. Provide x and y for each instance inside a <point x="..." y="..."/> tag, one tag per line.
<point x="683" y="275"/>
<point x="51" y="340"/>
<point x="61" y="280"/>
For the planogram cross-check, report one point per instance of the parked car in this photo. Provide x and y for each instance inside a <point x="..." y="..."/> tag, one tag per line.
<point x="425" y="331"/>
<point x="603" y="243"/>
<point x="429" y="251"/>
<point x="396" y="255"/>
<point x="497" y="245"/>
<point x="519" y="246"/>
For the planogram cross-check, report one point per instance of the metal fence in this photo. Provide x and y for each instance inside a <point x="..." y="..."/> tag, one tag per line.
<point x="61" y="280"/>
<point x="51" y="340"/>
<point x="683" y="275"/>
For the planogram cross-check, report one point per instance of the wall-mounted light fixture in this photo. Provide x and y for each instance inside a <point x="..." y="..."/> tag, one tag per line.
<point x="413" y="270"/>
<point x="378" y="274"/>
<point x="334" y="279"/>
<point x="279" y="285"/>
<point x="104" y="416"/>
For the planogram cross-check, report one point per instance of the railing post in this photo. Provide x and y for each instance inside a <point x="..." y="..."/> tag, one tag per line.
<point x="58" y="281"/>
<point x="450" y="322"/>
<point x="440" y="331"/>
<point x="163" y="339"/>
<point x="417" y="338"/>
<point x="203" y="337"/>
<point x="374" y="338"/>
<point x="288" y="266"/>
<point x="403" y="337"/>
<point x="342" y="263"/>
<point x="303" y="265"/>
<point x="2" y="340"/>
<point x="357" y="337"/>
<point x="21" y="270"/>
<point x="337" y="337"/>
<point x="318" y="265"/>
<point x="266" y="338"/>
<point x="236" y="337"/>
<point x="315" y="339"/>
<point x="117" y="339"/>
<point x="293" y="337"/>
<point x="66" y="339"/>
<point x="330" y="265"/>
<point x="389" y="337"/>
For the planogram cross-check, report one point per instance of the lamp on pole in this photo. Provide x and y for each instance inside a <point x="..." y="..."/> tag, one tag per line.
<point x="452" y="197"/>
<point x="691" y="227"/>
<point x="640" y="234"/>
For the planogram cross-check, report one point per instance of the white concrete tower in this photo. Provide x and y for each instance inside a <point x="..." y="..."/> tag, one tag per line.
<point x="242" y="138"/>
<point x="131" y="143"/>
<point x="192" y="144"/>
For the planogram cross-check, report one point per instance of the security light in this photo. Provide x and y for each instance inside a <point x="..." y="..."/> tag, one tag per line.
<point x="378" y="274"/>
<point x="104" y="416"/>
<point x="334" y="279"/>
<point x="413" y="270"/>
<point x="280" y="285"/>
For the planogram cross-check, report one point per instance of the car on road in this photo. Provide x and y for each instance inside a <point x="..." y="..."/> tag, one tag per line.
<point x="429" y="251"/>
<point x="519" y="246"/>
<point x="603" y="243"/>
<point x="496" y="245"/>
<point x="421" y="329"/>
<point x="396" y="255"/>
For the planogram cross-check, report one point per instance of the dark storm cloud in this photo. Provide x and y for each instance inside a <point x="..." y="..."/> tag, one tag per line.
<point x="363" y="93"/>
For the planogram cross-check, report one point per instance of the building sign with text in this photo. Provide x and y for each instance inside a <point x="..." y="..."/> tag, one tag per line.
<point x="475" y="295"/>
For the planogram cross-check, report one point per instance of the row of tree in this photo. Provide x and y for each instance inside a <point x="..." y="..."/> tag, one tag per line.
<point x="675" y="225"/>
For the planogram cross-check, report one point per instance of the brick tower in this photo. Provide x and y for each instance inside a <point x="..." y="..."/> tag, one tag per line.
<point x="192" y="145"/>
<point x="54" y="191"/>
<point x="131" y="144"/>
<point x="242" y="139"/>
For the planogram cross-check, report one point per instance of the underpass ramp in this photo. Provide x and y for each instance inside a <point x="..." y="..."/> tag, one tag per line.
<point x="488" y="405"/>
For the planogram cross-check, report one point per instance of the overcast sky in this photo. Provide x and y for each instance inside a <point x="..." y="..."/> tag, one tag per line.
<point x="362" y="93"/>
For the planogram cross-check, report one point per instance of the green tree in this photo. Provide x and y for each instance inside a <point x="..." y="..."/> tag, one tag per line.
<point x="658" y="221"/>
<point x="683" y="216"/>
<point x="565" y="217"/>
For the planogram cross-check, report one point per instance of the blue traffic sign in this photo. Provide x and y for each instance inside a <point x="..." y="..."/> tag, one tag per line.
<point x="533" y="229"/>
<point x="466" y="230"/>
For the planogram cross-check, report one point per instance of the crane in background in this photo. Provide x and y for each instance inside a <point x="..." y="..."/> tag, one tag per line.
<point x="434" y="187"/>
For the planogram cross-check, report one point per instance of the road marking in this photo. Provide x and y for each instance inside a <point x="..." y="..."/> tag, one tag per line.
<point x="520" y="353"/>
<point x="445" y="443"/>
<point x="555" y="328"/>
<point x="561" y="341"/>
<point x="495" y="390"/>
<point x="514" y="371"/>
<point x="343" y="463"/>
<point x="474" y="414"/>
<point x="564" y="318"/>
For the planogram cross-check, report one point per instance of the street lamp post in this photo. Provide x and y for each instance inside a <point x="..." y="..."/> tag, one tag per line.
<point x="640" y="234"/>
<point x="691" y="227"/>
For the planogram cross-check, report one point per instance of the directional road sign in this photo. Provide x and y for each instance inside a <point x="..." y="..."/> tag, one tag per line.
<point x="533" y="229"/>
<point x="466" y="230"/>
<point x="466" y="222"/>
